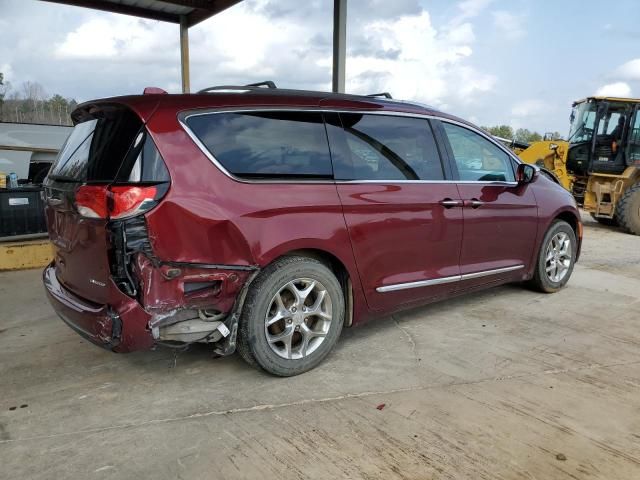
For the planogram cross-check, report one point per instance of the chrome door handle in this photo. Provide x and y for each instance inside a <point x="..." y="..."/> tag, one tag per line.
<point x="449" y="203"/>
<point x="474" y="203"/>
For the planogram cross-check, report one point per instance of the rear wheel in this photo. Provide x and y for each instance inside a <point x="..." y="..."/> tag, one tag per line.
<point x="556" y="258"/>
<point x="628" y="210"/>
<point x="292" y="317"/>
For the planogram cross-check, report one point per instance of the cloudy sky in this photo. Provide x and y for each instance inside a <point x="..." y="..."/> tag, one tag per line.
<point x="519" y="62"/>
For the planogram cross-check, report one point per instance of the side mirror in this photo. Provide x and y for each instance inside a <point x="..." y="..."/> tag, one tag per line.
<point x="527" y="173"/>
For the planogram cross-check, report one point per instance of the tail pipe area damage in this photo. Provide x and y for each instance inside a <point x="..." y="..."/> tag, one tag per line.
<point x="187" y="302"/>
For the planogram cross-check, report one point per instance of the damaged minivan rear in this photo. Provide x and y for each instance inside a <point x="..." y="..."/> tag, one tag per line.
<point x="105" y="281"/>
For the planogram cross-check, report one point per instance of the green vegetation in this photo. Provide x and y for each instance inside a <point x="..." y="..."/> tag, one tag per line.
<point x="520" y="135"/>
<point x="29" y="103"/>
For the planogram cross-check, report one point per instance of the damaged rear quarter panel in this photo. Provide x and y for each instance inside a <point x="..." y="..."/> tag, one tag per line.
<point x="166" y="288"/>
<point x="207" y="217"/>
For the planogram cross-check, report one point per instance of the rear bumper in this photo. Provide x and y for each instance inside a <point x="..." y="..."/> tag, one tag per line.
<point x="120" y="326"/>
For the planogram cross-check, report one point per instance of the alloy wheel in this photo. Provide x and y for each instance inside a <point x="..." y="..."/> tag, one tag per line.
<point x="298" y="318"/>
<point x="558" y="257"/>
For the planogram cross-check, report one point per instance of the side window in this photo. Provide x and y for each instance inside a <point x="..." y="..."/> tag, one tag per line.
<point x="382" y="147"/>
<point x="266" y="144"/>
<point x="476" y="157"/>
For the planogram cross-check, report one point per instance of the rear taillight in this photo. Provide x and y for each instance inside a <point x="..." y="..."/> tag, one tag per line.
<point x="115" y="202"/>
<point x="129" y="201"/>
<point x="91" y="201"/>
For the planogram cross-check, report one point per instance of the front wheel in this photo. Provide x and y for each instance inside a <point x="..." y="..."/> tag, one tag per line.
<point x="556" y="258"/>
<point x="292" y="316"/>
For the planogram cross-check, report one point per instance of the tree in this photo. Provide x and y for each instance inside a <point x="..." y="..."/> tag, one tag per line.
<point x="520" y="135"/>
<point x="58" y="108"/>
<point x="527" y="136"/>
<point x="556" y="136"/>
<point x="503" y="131"/>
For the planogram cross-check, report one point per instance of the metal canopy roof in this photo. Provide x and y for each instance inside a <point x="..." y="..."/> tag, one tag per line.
<point x="187" y="13"/>
<point x="190" y="11"/>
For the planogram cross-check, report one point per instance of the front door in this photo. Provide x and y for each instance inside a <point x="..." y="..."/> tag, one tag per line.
<point x="404" y="221"/>
<point x="500" y="216"/>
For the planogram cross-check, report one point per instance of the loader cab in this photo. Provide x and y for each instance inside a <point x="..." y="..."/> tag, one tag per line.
<point x="604" y="136"/>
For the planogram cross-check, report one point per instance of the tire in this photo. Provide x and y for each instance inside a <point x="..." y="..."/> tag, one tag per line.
<point x="628" y="210"/>
<point x="272" y="297"/>
<point x="609" y="222"/>
<point x="549" y="282"/>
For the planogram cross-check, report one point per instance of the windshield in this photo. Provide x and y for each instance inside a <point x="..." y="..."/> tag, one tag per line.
<point x="583" y="120"/>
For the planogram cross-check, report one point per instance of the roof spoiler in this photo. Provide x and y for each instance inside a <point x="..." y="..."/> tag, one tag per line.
<point x="153" y="91"/>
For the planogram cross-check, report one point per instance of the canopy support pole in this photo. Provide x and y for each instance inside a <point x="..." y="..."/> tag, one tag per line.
<point x="184" y="54"/>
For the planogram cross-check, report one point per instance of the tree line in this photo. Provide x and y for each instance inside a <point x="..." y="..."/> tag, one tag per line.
<point x="520" y="135"/>
<point x="30" y="103"/>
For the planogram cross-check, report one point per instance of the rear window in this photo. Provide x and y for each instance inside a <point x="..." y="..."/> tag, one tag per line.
<point x="114" y="146"/>
<point x="266" y="144"/>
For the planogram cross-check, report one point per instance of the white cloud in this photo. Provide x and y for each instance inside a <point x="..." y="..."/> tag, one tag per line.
<point x="391" y="46"/>
<point x="629" y="70"/>
<point x="431" y="66"/>
<point x="469" y="9"/>
<point x="510" y="25"/>
<point x="528" y="108"/>
<point x="6" y="70"/>
<point x="118" y="38"/>
<point x="401" y="53"/>
<point x="616" y="89"/>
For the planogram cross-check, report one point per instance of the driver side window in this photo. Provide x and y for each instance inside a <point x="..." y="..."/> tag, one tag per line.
<point x="476" y="157"/>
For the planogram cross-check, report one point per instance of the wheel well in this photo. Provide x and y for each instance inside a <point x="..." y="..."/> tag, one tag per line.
<point x="571" y="219"/>
<point x="340" y="271"/>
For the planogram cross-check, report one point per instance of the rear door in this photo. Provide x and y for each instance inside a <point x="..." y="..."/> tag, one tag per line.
<point x="92" y="155"/>
<point x="404" y="220"/>
<point x="500" y="216"/>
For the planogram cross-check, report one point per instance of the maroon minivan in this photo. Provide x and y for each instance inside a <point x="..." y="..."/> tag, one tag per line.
<point x="266" y="219"/>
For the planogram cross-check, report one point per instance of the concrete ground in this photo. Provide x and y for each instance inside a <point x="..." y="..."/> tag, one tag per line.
<point x="504" y="384"/>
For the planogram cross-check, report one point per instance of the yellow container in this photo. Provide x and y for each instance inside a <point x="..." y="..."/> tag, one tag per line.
<point x="3" y="180"/>
<point x="25" y="254"/>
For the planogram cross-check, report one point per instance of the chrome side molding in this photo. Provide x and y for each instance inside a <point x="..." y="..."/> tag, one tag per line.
<point x="443" y="280"/>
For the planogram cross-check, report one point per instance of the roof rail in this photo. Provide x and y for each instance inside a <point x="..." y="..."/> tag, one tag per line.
<point x="381" y="94"/>
<point x="266" y="83"/>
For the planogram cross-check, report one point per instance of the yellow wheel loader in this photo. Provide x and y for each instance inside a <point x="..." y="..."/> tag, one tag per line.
<point x="600" y="162"/>
<point x="551" y="155"/>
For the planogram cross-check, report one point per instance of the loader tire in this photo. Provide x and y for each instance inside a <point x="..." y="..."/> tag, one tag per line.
<point x="628" y="210"/>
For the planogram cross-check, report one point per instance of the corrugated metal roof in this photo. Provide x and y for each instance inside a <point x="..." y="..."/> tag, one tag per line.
<point x="194" y="11"/>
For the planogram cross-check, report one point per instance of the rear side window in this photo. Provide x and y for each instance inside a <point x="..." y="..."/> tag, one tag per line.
<point x="383" y="147"/>
<point x="112" y="146"/>
<point x="266" y="144"/>
<point x="477" y="159"/>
